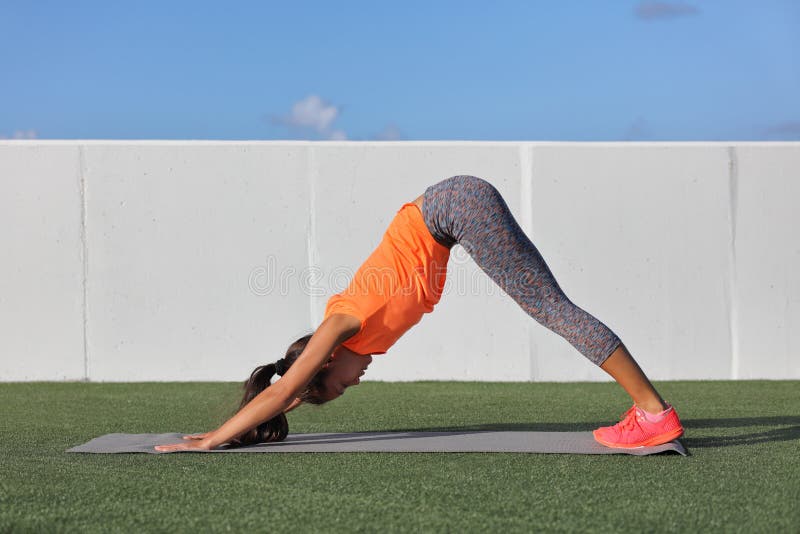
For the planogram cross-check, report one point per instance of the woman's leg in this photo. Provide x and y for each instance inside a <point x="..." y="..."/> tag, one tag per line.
<point x="630" y="376"/>
<point x="471" y="212"/>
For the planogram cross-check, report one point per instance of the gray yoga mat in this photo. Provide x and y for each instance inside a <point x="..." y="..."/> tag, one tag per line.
<point x="464" y="441"/>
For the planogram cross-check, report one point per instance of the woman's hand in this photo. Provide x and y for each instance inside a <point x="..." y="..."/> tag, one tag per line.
<point x="200" y="445"/>
<point x="281" y="395"/>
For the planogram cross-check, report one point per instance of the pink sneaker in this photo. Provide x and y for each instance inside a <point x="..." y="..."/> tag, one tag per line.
<point x="635" y="430"/>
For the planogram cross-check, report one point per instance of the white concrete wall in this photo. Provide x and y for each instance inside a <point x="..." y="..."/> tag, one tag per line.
<point x="161" y="260"/>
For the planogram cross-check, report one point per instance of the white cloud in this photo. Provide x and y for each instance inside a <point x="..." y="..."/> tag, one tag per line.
<point x="312" y="114"/>
<point x="390" y="133"/>
<point x="638" y="130"/>
<point x="783" y="130"/>
<point x="664" y="10"/>
<point x="314" y="118"/>
<point x="22" y="134"/>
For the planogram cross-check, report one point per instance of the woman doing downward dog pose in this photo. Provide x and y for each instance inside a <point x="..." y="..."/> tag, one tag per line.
<point x="403" y="279"/>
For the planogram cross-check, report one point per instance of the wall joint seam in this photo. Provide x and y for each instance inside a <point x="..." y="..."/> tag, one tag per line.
<point x="526" y="215"/>
<point x="311" y="235"/>
<point x="84" y="260"/>
<point x="733" y="202"/>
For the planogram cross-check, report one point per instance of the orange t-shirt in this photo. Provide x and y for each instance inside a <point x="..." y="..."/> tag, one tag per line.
<point x="400" y="281"/>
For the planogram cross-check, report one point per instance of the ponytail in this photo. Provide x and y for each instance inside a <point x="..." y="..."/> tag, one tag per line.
<point x="277" y="428"/>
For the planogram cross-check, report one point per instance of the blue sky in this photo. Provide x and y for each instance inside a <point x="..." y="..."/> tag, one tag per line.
<point x="411" y="70"/>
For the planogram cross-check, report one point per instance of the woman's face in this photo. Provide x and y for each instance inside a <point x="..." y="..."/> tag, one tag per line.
<point x="344" y="370"/>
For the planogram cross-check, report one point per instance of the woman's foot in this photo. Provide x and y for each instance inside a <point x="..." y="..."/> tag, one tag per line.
<point x="641" y="429"/>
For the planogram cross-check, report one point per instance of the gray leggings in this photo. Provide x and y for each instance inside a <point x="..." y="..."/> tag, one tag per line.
<point x="469" y="211"/>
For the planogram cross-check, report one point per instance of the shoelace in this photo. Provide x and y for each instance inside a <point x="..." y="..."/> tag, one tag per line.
<point x="629" y="420"/>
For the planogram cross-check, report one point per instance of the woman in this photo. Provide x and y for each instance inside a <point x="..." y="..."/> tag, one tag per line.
<point x="403" y="279"/>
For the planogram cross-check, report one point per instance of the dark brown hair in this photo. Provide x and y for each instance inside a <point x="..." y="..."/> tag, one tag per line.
<point x="277" y="428"/>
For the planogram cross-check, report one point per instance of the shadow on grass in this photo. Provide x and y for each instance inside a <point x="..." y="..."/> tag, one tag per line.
<point x="789" y="431"/>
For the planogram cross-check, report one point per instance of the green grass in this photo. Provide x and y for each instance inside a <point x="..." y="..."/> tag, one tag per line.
<point x="743" y="473"/>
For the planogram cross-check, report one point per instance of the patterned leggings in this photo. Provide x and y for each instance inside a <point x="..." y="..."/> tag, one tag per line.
<point x="469" y="211"/>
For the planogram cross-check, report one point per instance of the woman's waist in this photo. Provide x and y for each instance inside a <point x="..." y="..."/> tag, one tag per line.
<point x="410" y="235"/>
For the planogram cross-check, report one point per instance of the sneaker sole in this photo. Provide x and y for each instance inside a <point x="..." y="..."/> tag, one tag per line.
<point x="651" y="442"/>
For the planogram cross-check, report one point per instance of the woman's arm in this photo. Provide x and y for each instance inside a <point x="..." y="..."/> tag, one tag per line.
<point x="333" y="331"/>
